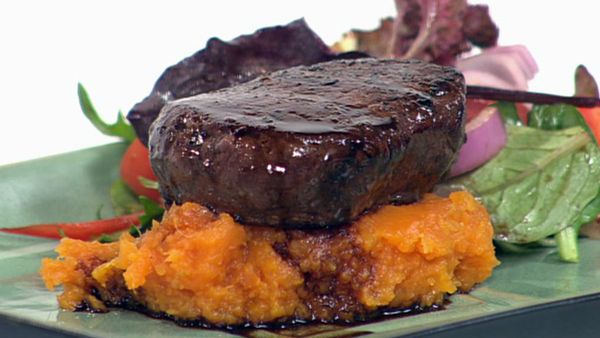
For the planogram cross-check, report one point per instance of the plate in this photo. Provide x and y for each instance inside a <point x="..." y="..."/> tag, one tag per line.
<point x="526" y="292"/>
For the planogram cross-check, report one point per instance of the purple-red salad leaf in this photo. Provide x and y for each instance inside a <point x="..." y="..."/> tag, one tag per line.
<point x="440" y="30"/>
<point x="585" y="84"/>
<point x="479" y="28"/>
<point x="432" y="30"/>
<point x="222" y="64"/>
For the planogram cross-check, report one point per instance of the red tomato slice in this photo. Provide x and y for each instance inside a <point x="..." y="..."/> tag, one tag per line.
<point x="475" y="106"/>
<point x="592" y="118"/>
<point x="136" y="164"/>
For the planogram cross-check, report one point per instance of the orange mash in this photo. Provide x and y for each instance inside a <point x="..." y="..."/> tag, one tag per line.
<point x="197" y="266"/>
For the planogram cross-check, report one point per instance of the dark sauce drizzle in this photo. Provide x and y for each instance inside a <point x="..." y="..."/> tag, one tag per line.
<point x="285" y="327"/>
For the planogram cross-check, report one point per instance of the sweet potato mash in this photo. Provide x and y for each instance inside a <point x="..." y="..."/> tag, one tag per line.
<point x="198" y="266"/>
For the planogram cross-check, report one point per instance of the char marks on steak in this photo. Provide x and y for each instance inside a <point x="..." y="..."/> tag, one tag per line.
<point x="312" y="146"/>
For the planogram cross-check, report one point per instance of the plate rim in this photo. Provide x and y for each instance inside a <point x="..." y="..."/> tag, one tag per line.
<point x="34" y="327"/>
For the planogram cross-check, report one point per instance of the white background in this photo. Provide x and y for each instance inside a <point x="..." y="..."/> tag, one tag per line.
<point x="117" y="49"/>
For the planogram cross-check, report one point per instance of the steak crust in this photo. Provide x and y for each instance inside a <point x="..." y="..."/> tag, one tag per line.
<point x="312" y="146"/>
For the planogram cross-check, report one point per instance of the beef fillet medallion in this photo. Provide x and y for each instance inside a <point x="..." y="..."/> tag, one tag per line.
<point x="312" y="146"/>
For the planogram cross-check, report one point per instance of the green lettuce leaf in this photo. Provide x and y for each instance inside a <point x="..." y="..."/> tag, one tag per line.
<point x="539" y="184"/>
<point x="123" y="199"/>
<point x="508" y="111"/>
<point x="120" y="128"/>
<point x="152" y="211"/>
<point x="125" y="202"/>
<point x="589" y="213"/>
<point x="556" y="117"/>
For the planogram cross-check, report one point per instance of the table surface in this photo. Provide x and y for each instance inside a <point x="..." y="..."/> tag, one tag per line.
<point x="118" y="49"/>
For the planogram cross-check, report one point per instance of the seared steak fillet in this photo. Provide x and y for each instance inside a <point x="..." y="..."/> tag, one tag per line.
<point x="312" y="146"/>
<point x="222" y="64"/>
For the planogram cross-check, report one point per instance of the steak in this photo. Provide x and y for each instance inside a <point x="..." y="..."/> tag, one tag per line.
<point x="312" y="146"/>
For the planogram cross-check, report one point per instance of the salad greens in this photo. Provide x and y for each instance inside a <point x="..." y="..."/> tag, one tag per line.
<point x="589" y="213"/>
<point x="539" y="183"/>
<point x="121" y="128"/>
<point x="545" y="182"/>
<point x="508" y="111"/>
<point x="123" y="199"/>
<point x="126" y="202"/>
<point x="148" y="183"/>
<point x="556" y="117"/>
<point x="152" y="211"/>
<point x="566" y="241"/>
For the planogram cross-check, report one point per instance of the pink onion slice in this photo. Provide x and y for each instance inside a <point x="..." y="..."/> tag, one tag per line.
<point x="521" y="53"/>
<point x="489" y="79"/>
<point x="507" y="67"/>
<point x="486" y="136"/>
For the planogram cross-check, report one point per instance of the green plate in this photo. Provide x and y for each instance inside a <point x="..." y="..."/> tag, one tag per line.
<point x="74" y="187"/>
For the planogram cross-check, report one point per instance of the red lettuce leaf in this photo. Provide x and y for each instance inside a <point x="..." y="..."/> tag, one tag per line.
<point x="479" y="28"/>
<point x="446" y="29"/>
<point x="432" y="30"/>
<point x="223" y="64"/>
<point x="585" y="84"/>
